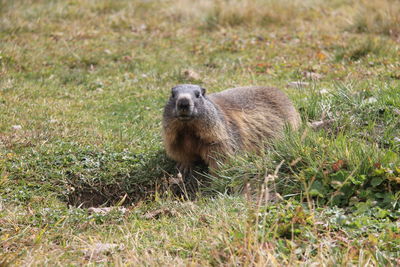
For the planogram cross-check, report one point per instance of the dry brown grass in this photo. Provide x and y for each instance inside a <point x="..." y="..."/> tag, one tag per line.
<point x="378" y="17"/>
<point x="230" y="13"/>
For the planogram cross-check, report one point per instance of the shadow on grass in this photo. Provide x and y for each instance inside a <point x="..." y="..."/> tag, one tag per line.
<point x="87" y="176"/>
<point x="154" y="175"/>
<point x="124" y="178"/>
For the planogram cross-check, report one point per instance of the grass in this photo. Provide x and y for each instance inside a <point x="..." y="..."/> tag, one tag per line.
<point x="384" y="18"/>
<point x="82" y="88"/>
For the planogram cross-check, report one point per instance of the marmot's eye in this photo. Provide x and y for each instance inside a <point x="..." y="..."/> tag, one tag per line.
<point x="197" y="94"/>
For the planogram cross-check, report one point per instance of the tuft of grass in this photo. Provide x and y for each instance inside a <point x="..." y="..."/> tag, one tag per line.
<point x="220" y="14"/>
<point x="358" y="49"/>
<point x="348" y="162"/>
<point x="377" y="17"/>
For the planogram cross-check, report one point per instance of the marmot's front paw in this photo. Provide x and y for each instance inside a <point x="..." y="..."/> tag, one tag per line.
<point x="184" y="170"/>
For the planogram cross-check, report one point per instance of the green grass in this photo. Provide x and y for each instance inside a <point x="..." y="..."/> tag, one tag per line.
<point x="82" y="89"/>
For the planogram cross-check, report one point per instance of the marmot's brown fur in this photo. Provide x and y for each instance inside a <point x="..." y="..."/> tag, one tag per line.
<point x="208" y="128"/>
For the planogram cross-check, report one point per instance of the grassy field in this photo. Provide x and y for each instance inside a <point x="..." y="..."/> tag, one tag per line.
<point x="84" y="179"/>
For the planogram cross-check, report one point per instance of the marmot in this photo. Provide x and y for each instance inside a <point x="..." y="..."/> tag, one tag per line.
<point x="204" y="127"/>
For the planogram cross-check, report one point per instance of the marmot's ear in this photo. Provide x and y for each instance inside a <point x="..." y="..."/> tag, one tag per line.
<point x="203" y="91"/>
<point x="173" y="91"/>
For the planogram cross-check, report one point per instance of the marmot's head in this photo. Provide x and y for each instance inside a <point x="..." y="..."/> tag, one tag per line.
<point x="186" y="101"/>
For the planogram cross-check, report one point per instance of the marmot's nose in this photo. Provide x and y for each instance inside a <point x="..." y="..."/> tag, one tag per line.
<point x="183" y="104"/>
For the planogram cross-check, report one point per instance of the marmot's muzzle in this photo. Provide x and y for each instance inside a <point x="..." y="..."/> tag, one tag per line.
<point x="184" y="108"/>
<point x="183" y="104"/>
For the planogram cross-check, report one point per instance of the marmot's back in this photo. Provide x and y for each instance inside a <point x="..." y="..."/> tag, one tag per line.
<point x="259" y="112"/>
<point x="269" y="99"/>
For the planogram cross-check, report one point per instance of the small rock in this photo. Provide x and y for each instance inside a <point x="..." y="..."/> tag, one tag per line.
<point x="155" y="214"/>
<point x="191" y="75"/>
<point x="53" y="121"/>
<point x="101" y="248"/>
<point x="323" y="91"/>
<point x="370" y="100"/>
<point x="312" y="75"/>
<point x="397" y="111"/>
<point x="397" y="139"/>
<point x="127" y="58"/>
<point x="107" y="246"/>
<point x="16" y="127"/>
<point x="298" y="84"/>
<point x="139" y="28"/>
<point x="106" y="210"/>
<point x="143" y="27"/>
<point x="295" y="40"/>
<point x="321" y="124"/>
